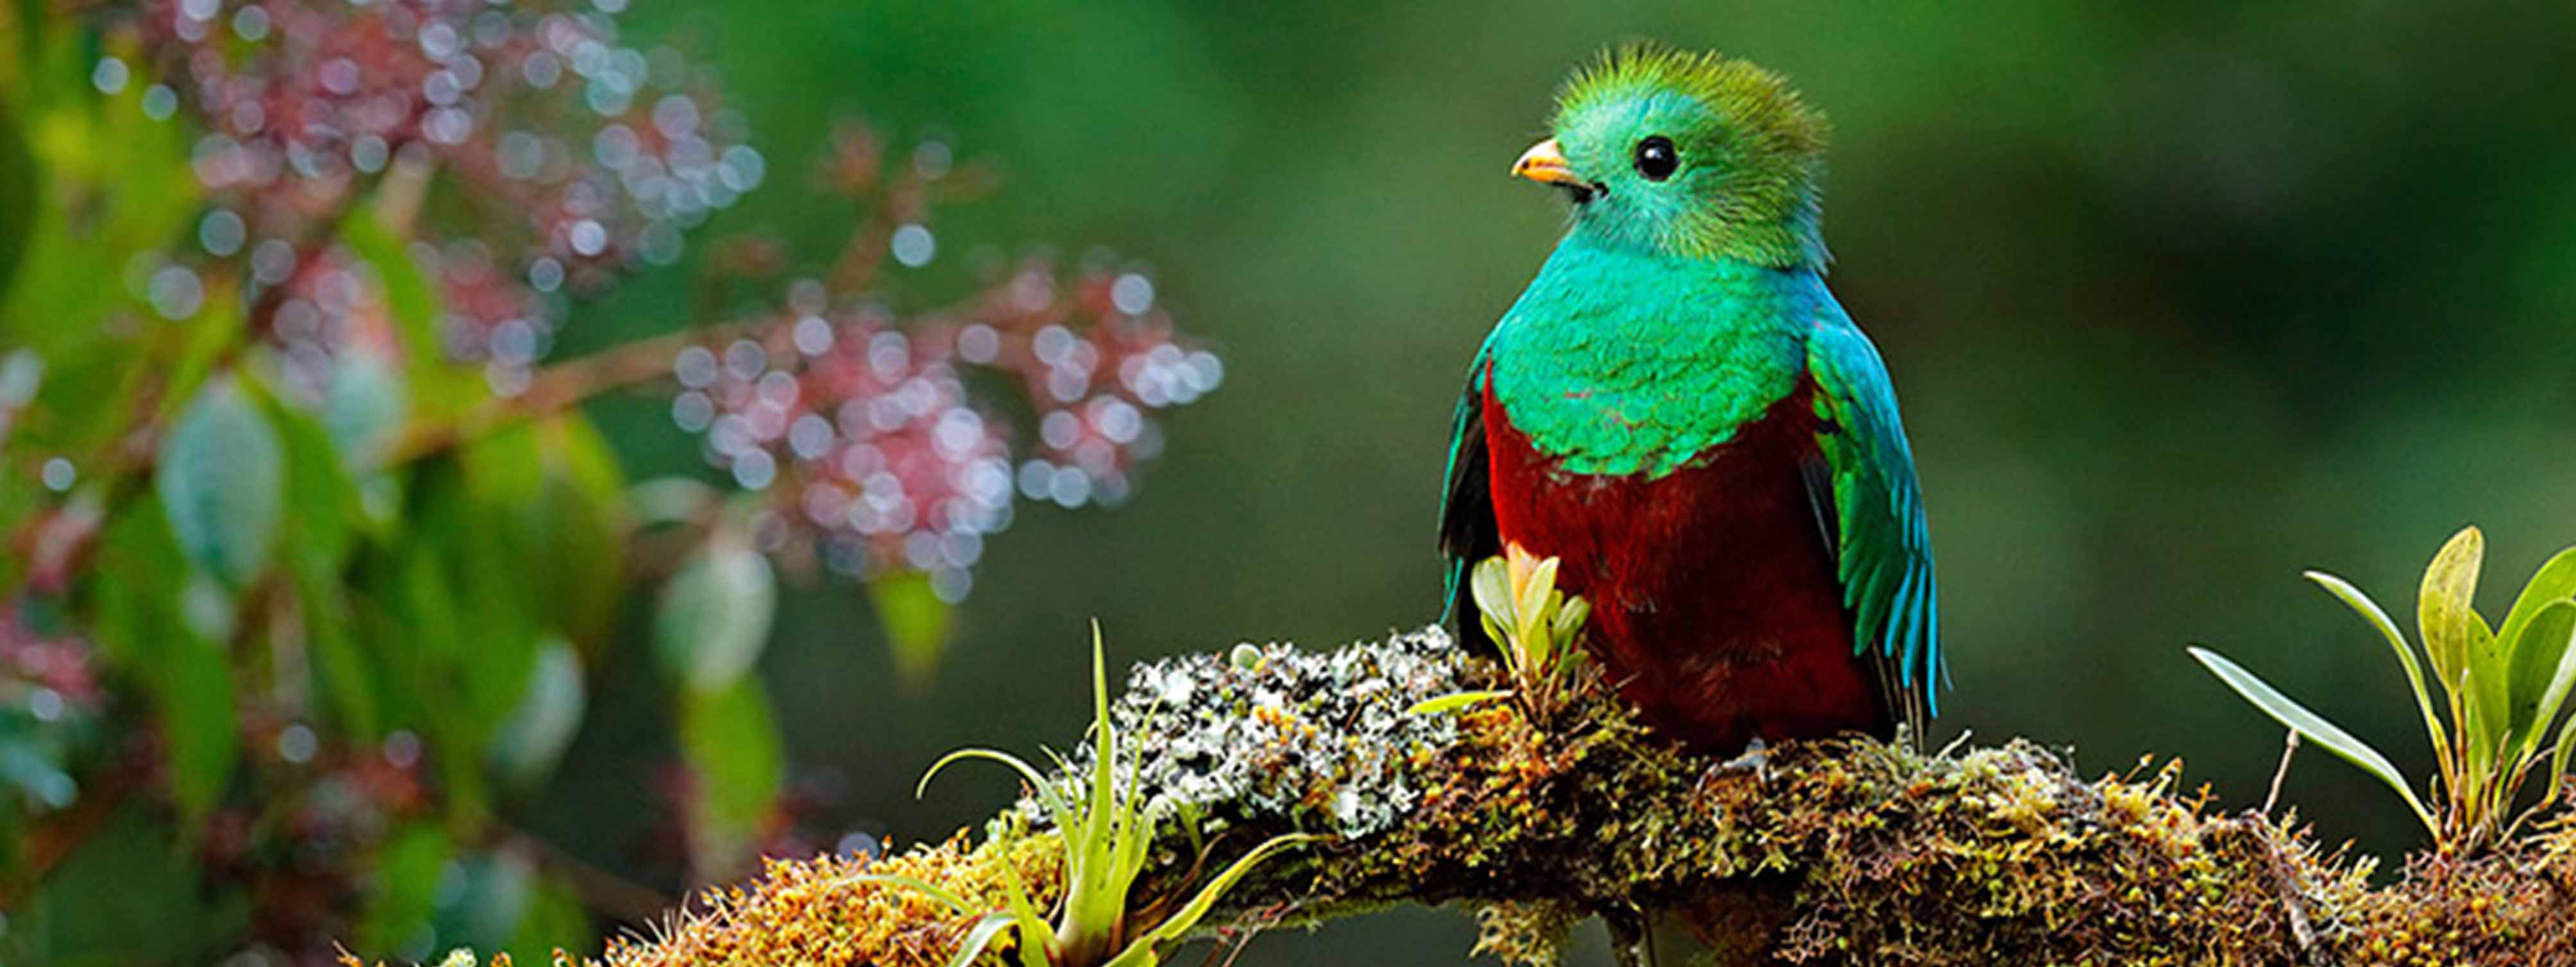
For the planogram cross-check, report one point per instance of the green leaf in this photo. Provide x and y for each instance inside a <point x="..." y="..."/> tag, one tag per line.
<point x="365" y="403"/>
<point x="730" y="741"/>
<point x="2313" y="726"/>
<point x="533" y="739"/>
<point x="2537" y="678"/>
<point x="2488" y="675"/>
<point x="1456" y="700"/>
<point x="221" y="477"/>
<point x="556" y="919"/>
<point x="916" y="623"/>
<point x="1491" y="583"/>
<point x="1177" y="926"/>
<point x="925" y="887"/>
<point x="714" y="615"/>
<point x="980" y="938"/>
<point x="346" y="673"/>
<point x="2555" y="581"/>
<point x="575" y="532"/>
<point x="317" y="485"/>
<point x="2369" y="611"/>
<point x="437" y="389"/>
<point x="140" y="576"/>
<point x="194" y="691"/>
<point x="2558" y="756"/>
<point x="2444" y="604"/>
<point x="408" y="870"/>
<point x="1057" y="808"/>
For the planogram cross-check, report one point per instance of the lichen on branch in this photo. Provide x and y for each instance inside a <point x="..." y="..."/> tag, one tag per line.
<point x="1845" y="851"/>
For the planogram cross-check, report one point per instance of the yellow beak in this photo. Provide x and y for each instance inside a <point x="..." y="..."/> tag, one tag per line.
<point x="1544" y="163"/>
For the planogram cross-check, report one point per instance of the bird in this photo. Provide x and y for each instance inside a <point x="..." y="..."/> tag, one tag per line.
<point x="1679" y="410"/>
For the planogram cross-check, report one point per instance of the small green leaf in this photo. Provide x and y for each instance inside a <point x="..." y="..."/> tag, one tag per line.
<point x="364" y="404"/>
<point x="2558" y="756"/>
<point x="2489" y="674"/>
<point x="924" y="887"/>
<point x="2315" y="727"/>
<point x="714" y="615"/>
<point x="574" y="529"/>
<point x="408" y="869"/>
<point x="1177" y="926"/>
<point x="980" y="938"/>
<point x="2536" y="678"/>
<point x="916" y="623"/>
<point x="2555" y="581"/>
<point x="221" y="476"/>
<point x="1454" y="701"/>
<point x="1491" y="584"/>
<point x="730" y="741"/>
<point x="1055" y="803"/>
<point x="536" y="734"/>
<point x="2369" y="611"/>
<point x="2444" y="604"/>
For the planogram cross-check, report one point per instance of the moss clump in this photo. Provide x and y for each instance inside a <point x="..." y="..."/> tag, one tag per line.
<point x="1837" y="852"/>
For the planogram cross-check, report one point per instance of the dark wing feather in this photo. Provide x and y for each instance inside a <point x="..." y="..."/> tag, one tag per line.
<point x="1871" y="507"/>
<point x="1467" y="532"/>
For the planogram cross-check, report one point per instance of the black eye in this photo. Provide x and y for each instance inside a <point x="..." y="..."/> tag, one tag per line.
<point x="1656" y="158"/>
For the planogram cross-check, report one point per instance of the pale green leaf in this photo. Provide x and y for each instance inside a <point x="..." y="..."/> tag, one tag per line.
<point x="2443" y="604"/>
<point x="2489" y="675"/>
<point x="1055" y="804"/>
<point x="2313" y="726"/>
<point x="2535" y="679"/>
<point x="916" y="623"/>
<point x="2555" y="581"/>
<point x="1456" y="700"/>
<point x="924" y="887"/>
<point x="1177" y="927"/>
<point x="731" y="743"/>
<point x="714" y="614"/>
<point x="221" y="476"/>
<point x="2369" y="611"/>
<point x="533" y="739"/>
<point x="980" y="939"/>
<point x="2558" y="755"/>
<point x="1491" y="583"/>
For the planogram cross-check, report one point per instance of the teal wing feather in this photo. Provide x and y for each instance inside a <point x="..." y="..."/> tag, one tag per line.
<point x="1467" y="531"/>
<point x="1871" y="507"/>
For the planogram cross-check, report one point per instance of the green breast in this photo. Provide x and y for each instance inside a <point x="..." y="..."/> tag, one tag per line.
<point x="1619" y="362"/>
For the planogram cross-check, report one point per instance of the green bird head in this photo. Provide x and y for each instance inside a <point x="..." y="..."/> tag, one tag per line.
<point x="1695" y="154"/>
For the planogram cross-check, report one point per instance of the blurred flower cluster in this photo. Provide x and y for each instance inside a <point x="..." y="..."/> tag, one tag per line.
<point x="578" y="157"/>
<point x="862" y="424"/>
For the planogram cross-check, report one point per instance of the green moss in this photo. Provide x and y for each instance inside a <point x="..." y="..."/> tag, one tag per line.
<point x="1834" y="852"/>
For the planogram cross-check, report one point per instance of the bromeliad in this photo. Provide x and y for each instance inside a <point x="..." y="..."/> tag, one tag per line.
<point x="1679" y="411"/>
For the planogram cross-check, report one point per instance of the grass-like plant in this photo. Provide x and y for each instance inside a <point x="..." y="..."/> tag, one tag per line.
<point x="2501" y="690"/>
<point x="1538" y="629"/>
<point x="1108" y="833"/>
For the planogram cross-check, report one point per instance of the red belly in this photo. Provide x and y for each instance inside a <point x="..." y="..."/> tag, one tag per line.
<point x="1715" y="605"/>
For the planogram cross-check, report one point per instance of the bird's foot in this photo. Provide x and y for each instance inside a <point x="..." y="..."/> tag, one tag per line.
<point x="1755" y="762"/>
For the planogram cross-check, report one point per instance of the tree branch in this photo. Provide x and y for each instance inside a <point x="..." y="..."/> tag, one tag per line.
<point x="1849" y="851"/>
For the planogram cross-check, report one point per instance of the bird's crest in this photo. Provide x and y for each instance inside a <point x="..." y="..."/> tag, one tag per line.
<point x="1760" y="101"/>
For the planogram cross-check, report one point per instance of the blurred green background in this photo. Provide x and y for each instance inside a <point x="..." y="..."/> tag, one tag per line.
<point x="2180" y="298"/>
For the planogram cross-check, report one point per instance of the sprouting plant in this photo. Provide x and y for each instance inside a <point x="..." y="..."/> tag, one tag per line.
<point x="1538" y="629"/>
<point x="2501" y="689"/>
<point x="1107" y="833"/>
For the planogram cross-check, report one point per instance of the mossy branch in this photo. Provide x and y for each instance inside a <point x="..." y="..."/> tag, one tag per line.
<point x="1850" y="851"/>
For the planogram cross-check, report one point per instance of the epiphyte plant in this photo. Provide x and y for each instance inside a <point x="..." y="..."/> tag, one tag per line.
<point x="1108" y="833"/>
<point x="1537" y="627"/>
<point x="2501" y="689"/>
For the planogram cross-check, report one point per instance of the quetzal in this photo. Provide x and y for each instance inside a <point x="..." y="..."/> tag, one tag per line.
<point x="1679" y="411"/>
